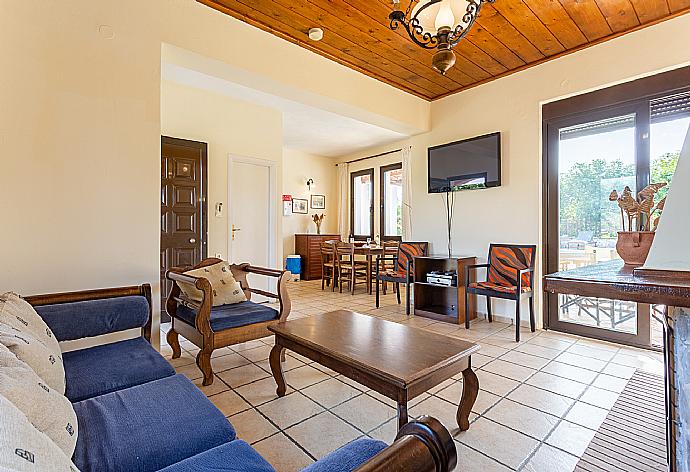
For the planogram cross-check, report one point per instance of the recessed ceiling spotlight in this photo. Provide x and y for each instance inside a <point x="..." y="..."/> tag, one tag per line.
<point x="316" y="34"/>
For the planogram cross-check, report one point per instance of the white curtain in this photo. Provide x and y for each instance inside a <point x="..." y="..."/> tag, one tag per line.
<point x="407" y="200"/>
<point x="343" y="185"/>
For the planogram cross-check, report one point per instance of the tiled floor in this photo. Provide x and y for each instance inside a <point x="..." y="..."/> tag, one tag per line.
<point x="539" y="405"/>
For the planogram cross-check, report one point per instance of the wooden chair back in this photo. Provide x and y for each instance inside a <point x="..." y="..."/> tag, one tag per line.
<point x="344" y="252"/>
<point x="327" y="252"/>
<point x="390" y="249"/>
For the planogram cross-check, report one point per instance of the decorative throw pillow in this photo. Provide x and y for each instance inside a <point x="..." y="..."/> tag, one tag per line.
<point x="17" y="312"/>
<point x="226" y="290"/>
<point x="24" y="448"/>
<point x="45" y="362"/>
<point x="49" y="412"/>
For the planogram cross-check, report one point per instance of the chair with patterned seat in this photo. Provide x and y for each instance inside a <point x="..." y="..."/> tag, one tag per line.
<point x="510" y="275"/>
<point x="402" y="270"/>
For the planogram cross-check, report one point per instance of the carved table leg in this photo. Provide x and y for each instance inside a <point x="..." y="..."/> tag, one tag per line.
<point x="470" y="389"/>
<point x="277" y="368"/>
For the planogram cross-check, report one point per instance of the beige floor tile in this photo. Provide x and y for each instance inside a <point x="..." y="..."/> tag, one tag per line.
<point x="549" y="459"/>
<point x="184" y="359"/>
<point x="505" y="445"/>
<point x="258" y="353"/>
<point x="283" y="454"/>
<point x="251" y="426"/>
<point x="445" y="412"/>
<point x="545" y="340"/>
<point x="442" y="328"/>
<point x="260" y="392"/>
<point x="559" y="385"/>
<point x="221" y="351"/>
<point x="304" y="376"/>
<point x="248" y="345"/>
<point x="453" y="393"/>
<point x="229" y="361"/>
<point x="525" y="360"/>
<point x="594" y="352"/>
<point x="571" y="438"/>
<point x="290" y="409"/>
<point x="331" y="392"/>
<point x="581" y="361"/>
<point x="542" y="400"/>
<point x="509" y="370"/>
<point x="386" y="432"/>
<point x="502" y="342"/>
<point x="640" y="361"/>
<point x="229" y="402"/>
<point x="322" y="434"/>
<point x="191" y="371"/>
<point x="586" y="415"/>
<point x="242" y="375"/>
<point x="495" y="384"/>
<point x="364" y="412"/>
<point x="617" y="370"/>
<point x="537" y="350"/>
<point x="470" y="460"/>
<point x="480" y="360"/>
<point x="599" y="397"/>
<point x="491" y="351"/>
<point x="216" y="387"/>
<point x="388" y="401"/>
<point x="522" y="418"/>
<point x="570" y="372"/>
<point x="609" y="382"/>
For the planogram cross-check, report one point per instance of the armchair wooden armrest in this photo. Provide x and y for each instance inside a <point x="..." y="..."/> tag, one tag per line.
<point x="421" y="446"/>
<point x="203" y="308"/>
<point x="241" y="270"/>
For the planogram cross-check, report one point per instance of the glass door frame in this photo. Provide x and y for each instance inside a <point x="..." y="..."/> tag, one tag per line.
<point x="640" y="110"/>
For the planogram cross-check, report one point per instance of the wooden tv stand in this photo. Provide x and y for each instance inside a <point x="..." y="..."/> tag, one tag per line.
<point x="438" y="301"/>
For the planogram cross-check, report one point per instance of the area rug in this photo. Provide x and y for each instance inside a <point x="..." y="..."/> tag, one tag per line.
<point x="632" y="438"/>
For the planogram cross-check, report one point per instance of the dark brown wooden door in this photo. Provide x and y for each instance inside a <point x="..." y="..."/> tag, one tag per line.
<point x="183" y="207"/>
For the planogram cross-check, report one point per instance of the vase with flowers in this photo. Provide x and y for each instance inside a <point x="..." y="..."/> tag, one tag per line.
<point x="318" y="219"/>
<point x="642" y="217"/>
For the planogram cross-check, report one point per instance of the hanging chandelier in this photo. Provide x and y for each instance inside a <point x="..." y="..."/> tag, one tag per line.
<point x="437" y="24"/>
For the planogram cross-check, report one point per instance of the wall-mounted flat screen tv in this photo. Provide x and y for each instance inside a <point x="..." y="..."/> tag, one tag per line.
<point x="463" y="165"/>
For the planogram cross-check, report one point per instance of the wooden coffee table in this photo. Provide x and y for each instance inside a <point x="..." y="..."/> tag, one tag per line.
<point x="398" y="361"/>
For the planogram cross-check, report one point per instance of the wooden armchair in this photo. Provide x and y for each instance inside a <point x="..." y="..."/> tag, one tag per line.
<point x="402" y="269"/>
<point x="210" y="327"/>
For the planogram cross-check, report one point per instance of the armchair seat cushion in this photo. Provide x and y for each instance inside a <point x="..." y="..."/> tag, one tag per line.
<point x="400" y="275"/>
<point x="494" y="287"/>
<point x="110" y="367"/>
<point x="232" y="316"/>
<point x="235" y="456"/>
<point x="348" y="457"/>
<point x="148" y="427"/>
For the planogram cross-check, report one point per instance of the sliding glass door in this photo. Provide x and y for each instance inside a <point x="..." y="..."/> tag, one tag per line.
<point x="589" y="155"/>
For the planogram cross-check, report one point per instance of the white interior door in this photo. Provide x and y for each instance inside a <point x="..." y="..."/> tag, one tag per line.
<point x="250" y="228"/>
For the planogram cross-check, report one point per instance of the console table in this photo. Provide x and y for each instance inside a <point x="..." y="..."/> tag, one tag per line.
<point x="614" y="280"/>
<point x="440" y="302"/>
<point x="308" y="246"/>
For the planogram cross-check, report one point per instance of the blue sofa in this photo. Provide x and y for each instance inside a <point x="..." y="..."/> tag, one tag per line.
<point x="136" y="414"/>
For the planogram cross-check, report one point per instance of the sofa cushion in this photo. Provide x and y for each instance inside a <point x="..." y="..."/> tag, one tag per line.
<point x="78" y="320"/>
<point x="232" y="316"/>
<point x="148" y="427"/>
<point x="235" y="456"/>
<point x="109" y="367"/>
<point x="348" y="457"/>
<point x="48" y="410"/>
<point x="226" y="290"/>
<point x="43" y="360"/>
<point x="24" y="448"/>
<point x="19" y="314"/>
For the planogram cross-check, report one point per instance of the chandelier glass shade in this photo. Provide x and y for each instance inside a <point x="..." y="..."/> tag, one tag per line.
<point x="437" y="24"/>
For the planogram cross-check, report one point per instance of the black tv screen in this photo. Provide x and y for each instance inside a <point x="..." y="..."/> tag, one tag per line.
<point x="463" y="165"/>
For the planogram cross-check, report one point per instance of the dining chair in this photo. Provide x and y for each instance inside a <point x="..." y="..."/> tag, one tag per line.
<point x="328" y="269"/>
<point x="510" y="276"/>
<point x="348" y="268"/>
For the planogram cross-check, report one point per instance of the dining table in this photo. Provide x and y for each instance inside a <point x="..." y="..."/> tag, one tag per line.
<point x="369" y="251"/>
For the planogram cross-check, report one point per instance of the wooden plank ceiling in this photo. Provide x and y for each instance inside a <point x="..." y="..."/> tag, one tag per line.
<point x="510" y="35"/>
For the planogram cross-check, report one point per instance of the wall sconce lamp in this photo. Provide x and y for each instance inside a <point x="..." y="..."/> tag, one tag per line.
<point x="310" y="182"/>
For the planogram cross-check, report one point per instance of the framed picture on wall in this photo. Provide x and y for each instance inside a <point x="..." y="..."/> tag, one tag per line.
<point x="300" y="205"/>
<point x="318" y="202"/>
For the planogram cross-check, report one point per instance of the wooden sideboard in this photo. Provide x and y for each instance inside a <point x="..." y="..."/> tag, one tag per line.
<point x="308" y="246"/>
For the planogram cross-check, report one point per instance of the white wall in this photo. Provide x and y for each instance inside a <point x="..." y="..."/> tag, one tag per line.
<point x="512" y="105"/>
<point x="298" y="167"/>
<point x="229" y="127"/>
